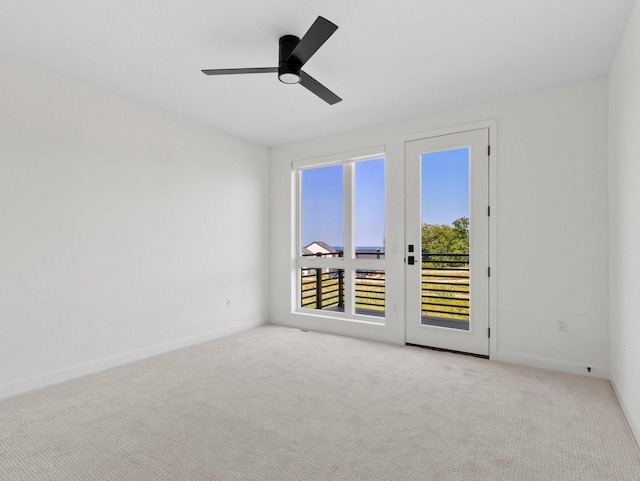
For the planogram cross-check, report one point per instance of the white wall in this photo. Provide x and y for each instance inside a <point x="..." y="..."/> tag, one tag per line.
<point x="624" y="220"/>
<point x="124" y="229"/>
<point x="551" y="219"/>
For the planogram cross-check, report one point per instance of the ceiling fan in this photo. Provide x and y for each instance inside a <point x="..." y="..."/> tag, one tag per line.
<point x="294" y="52"/>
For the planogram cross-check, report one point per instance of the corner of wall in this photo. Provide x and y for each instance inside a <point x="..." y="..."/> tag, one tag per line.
<point x="624" y="225"/>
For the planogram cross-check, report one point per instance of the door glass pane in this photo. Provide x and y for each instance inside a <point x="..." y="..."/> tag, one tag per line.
<point x="369" y="290"/>
<point x="445" y="238"/>
<point x="322" y="289"/>
<point x="369" y="209"/>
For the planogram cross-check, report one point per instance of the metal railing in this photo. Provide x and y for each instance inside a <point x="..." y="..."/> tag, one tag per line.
<point x="445" y="285"/>
<point x="370" y="292"/>
<point x="445" y="288"/>
<point x="324" y="289"/>
<point x="360" y="254"/>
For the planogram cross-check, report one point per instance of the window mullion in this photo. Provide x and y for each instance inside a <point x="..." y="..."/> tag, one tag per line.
<point x="297" y="216"/>
<point x="349" y="235"/>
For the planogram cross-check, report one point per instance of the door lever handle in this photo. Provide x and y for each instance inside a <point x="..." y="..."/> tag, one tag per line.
<point x="411" y="260"/>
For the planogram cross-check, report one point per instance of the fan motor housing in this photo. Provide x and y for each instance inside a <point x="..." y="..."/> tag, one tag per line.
<point x="287" y="72"/>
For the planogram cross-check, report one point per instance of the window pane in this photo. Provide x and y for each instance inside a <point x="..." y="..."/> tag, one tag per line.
<point x="322" y="211"/>
<point x="322" y="289"/>
<point x="445" y="239"/>
<point x="370" y="293"/>
<point x="369" y="209"/>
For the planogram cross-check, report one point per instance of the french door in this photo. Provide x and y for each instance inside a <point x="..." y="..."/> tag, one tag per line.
<point x="447" y="234"/>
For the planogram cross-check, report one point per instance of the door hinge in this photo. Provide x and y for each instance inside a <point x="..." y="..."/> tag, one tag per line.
<point x="489" y="150"/>
<point x="489" y="210"/>
<point x="488" y="271"/>
<point x="489" y="332"/>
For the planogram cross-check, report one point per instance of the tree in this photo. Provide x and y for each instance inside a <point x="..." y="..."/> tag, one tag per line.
<point x="441" y="238"/>
<point x="461" y="229"/>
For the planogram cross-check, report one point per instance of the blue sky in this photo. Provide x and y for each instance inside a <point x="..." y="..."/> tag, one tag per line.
<point x="445" y="187"/>
<point x="322" y="194"/>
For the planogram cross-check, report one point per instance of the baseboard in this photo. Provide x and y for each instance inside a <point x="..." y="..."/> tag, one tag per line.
<point x="553" y="364"/>
<point x="54" y="377"/>
<point x="632" y="420"/>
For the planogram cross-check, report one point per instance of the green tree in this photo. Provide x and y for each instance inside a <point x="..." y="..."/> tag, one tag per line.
<point x="461" y="229"/>
<point x="440" y="238"/>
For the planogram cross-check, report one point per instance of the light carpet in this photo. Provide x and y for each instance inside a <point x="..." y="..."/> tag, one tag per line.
<point x="280" y="404"/>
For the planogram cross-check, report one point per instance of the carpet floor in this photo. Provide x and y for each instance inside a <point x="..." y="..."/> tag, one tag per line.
<point x="280" y="404"/>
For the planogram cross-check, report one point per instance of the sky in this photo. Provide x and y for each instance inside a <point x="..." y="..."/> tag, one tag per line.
<point x="322" y="204"/>
<point x="444" y="186"/>
<point x="445" y="197"/>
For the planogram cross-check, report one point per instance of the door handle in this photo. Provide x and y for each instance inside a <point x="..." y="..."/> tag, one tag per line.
<point x="411" y="260"/>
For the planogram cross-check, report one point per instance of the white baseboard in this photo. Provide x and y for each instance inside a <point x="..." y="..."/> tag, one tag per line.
<point x="54" y="377"/>
<point x="553" y="364"/>
<point x="632" y="420"/>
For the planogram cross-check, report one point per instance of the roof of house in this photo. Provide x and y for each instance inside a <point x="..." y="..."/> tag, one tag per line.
<point x="324" y="245"/>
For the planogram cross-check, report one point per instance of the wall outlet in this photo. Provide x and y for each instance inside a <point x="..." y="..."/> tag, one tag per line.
<point x="228" y="302"/>
<point x="562" y="325"/>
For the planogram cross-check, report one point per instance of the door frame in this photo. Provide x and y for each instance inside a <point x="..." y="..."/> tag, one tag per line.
<point x="492" y="125"/>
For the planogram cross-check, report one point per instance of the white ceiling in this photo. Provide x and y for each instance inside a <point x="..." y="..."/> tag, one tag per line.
<point x="388" y="60"/>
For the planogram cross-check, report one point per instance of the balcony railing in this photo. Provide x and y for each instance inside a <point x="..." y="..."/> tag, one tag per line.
<point x="445" y="290"/>
<point x="324" y="289"/>
<point x="360" y="254"/>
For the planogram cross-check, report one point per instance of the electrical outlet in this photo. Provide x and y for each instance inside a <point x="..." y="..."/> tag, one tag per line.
<point x="562" y="325"/>
<point x="228" y="302"/>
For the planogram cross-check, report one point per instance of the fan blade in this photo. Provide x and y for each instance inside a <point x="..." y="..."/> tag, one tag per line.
<point x="231" y="71"/>
<point x="311" y="84"/>
<point x="315" y="37"/>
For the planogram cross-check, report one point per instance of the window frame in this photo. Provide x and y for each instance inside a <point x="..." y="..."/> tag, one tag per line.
<point x="348" y="261"/>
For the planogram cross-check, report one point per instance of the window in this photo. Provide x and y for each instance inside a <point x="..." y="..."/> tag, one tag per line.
<point x="340" y="232"/>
